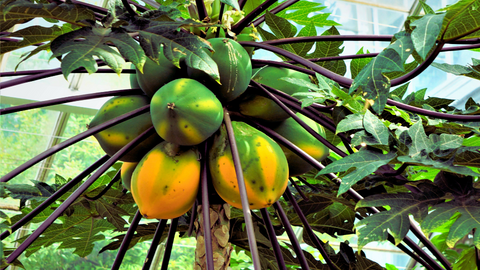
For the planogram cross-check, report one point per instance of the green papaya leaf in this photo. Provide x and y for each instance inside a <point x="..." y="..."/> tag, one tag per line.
<point x="232" y="3"/>
<point x="365" y="161"/>
<point x="376" y="128"/>
<point x="351" y="122"/>
<point x="426" y="31"/>
<point x="426" y="8"/>
<point x="396" y="220"/>
<point x="79" y="231"/>
<point x="467" y="259"/>
<point x="329" y="49"/>
<point x="112" y="213"/>
<point x="67" y="12"/>
<point x="372" y="82"/>
<point x="33" y="35"/>
<point x="357" y="64"/>
<point x="461" y="19"/>
<point x="177" y="45"/>
<point x="459" y="70"/>
<point x="464" y="223"/>
<point x="300" y="13"/>
<point x="80" y="47"/>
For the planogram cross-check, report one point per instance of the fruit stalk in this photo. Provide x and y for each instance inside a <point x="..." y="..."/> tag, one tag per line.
<point x="243" y="192"/>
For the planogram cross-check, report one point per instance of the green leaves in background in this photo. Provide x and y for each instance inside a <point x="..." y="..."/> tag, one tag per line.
<point x="283" y="28"/>
<point x="472" y="71"/>
<point x="365" y="163"/>
<point x="459" y="213"/>
<point x="435" y="151"/>
<point x="357" y="64"/>
<point x="80" y="47"/>
<point x="396" y="220"/>
<point x="33" y="35"/>
<point x="80" y="230"/>
<point x="329" y="49"/>
<point x="373" y="130"/>
<point x="461" y="20"/>
<point x="299" y="13"/>
<point x="371" y="79"/>
<point x="19" y="11"/>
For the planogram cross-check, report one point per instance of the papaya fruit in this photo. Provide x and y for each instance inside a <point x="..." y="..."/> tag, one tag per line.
<point x="156" y="75"/>
<point x="264" y="166"/>
<point x="114" y="138"/>
<point x="292" y="131"/>
<point x="185" y="112"/>
<point x="234" y="66"/>
<point x="165" y="182"/>
<point x="248" y="34"/>
<point x="264" y="108"/>
<point x="126" y="172"/>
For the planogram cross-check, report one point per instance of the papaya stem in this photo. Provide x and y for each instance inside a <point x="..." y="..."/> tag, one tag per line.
<point x="126" y="241"/>
<point x="155" y="241"/>
<point x="242" y="190"/>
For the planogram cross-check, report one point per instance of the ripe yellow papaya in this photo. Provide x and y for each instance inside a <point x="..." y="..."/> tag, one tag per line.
<point x="264" y="166"/>
<point x="165" y="182"/>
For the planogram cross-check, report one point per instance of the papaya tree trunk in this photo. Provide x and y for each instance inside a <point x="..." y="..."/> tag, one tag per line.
<point x="220" y="231"/>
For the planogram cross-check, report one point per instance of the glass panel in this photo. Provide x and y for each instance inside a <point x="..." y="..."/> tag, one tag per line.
<point x="24" y="135"/>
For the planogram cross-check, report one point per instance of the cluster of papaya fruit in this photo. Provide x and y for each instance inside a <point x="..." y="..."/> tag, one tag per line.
<point x="187" y="108"/>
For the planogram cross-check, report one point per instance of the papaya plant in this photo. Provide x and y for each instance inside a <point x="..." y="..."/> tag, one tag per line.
<point x="375" y="162"/>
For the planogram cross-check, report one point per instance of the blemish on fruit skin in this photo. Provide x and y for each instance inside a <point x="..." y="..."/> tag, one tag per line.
<point x="262" y="188"/>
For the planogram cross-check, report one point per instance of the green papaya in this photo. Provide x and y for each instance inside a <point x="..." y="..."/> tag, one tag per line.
<point x="185" y="112"/>
<point x="156" y="75"/>
<point x="114" y="138"/>
<point x="295" y="133"/>
<point x="263" y="108"/>
<point x="234" y="66"/>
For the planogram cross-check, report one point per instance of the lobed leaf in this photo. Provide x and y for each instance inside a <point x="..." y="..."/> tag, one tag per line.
<point x="328" y="49"/>
<point x="299" y="13"/>
<point x="33" y="35"/>
<point x="21" y="10"/>
<point x="396" y="220"/>
<point x="365" y="161"/>
<point x="465" y="222"/>
<point x="80" y="47"/>
<point x="177" y="45"/>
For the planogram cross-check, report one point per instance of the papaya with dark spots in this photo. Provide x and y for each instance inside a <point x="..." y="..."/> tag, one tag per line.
<point x="264" y="167"/>
<point x="165" y="182"/>
<point x="185" y="112"/>
<point x="114" y="138"/>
